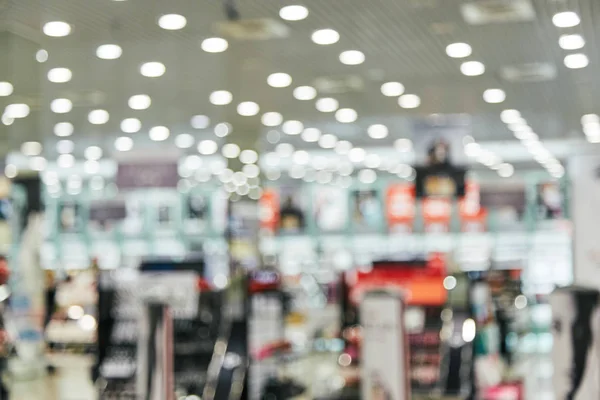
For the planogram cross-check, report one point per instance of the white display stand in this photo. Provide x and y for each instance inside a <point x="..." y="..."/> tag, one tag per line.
<point x="384" y="358"/>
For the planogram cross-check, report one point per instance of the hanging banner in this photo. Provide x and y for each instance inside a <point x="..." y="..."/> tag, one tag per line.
<point x="400" y="207"/>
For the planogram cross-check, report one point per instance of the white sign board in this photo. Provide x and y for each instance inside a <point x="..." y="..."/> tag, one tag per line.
<point x="585" y="176"/>
<point x="384" y="351"/>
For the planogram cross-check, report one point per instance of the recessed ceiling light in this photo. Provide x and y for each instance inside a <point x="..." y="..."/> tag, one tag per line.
<point x="279" y="80"/>
<point x="327" y="104"/>
<point x="494" y="96"/>
<point x="31" y="149"/>
<point x="592" y="129"/>
<point x="230" y="150"/>
<point x="352" y="57"/>
<point x="184" y="141"/>
<point x="60" y="75"/>
<point x="41" y="56"/>
<point x="593" y="139"/>
<point x="38" y="163"/>
<point x="392" y="89"/>
<point x="328" y="141"/>
<point x="207" y="147"/>
<point x="576" y="61"/>
<point x="346" y="115"/>
<point x="284" y="150"/>
<point x="590" y="119"/>
<point x="200" y="122"/>
<point x="472" y="68"/>
<point x="17" y="110"/>
<point x="506" y="170"/>
<point x="510" y="116"/>
<point x="131" y="125"/>
<point x="65" y="146"/>
<point x="378" y="131"/>
<point x="403" y="145"/>
<point x="357" y="155"/>
<point x="305" y="93"/>
<point x="214" y="45"/>
<point x="566" y="19"/>
<point x="93" y="153"/>
<point x="159" y="133"/>
<point x="56" y="29"/>
<point x="63" y="129"/>
<point x="222" y="129"/>
<point x="61" y="106"/>
<point x="292" y="127"/>
<point x="271" y="119"/>
<point x="367" y="176"/>
<point x="248" y="108"/>
<point x="65" y="161"/>
<point x="220" y="97"/>
<point x="409" y="101"/>
<point x="325" y="36"/>
<point x="172" y="22"/>
<point x="571" y="42"/>
<point x="6" y="89"/>
<point x="311" y="135"/>
<point x="124" y="143"/>
<point x="193" y="162"/>
<point x="458" y="50"/>
<point x="11" y="171"/>
<point x="343" y="147"/>
<point x="6" y="120"/>
<point x="98" y="117"/>
<point x="526" y="135"/>
<point x="293" y="13"/>
<point x="139" y="102"/>
<point x="248" y="157"/>
<point x="153" y="69"/>
<point x="109" y="51"/>
<point x="301" y="157"/>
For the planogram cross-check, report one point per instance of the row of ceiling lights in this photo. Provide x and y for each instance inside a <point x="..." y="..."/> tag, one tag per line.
<point x="522" y="131"/>
<point x="487" y="158"/>
<point x="474" y="68"/>
<point x="221" y="97"/>
<point x="570" y="19"/>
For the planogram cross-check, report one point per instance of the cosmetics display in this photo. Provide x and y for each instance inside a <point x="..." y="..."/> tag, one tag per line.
<point x="195" y="327"/>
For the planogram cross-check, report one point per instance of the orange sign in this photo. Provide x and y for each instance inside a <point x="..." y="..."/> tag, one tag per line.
<point x="437" y="212"/>
<point x="420" y="285"/>
<point x="472" y="215"/>
<point x="268" y="210"/>
<point x="400" y="206"/>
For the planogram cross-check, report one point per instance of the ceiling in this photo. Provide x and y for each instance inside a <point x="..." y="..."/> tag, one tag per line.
<point x="403" y="40"/>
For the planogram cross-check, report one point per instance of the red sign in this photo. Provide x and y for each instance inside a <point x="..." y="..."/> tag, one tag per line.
<point x="437" y="212"/>
<point x="400" y="207"/>
<point x="420" y="284"/>
<point x="268" y="210"/>
<point x="472" y="215"/>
